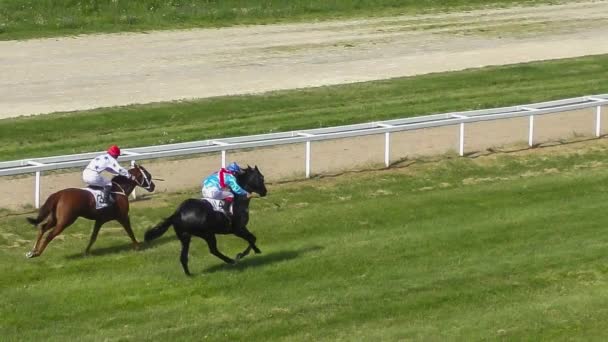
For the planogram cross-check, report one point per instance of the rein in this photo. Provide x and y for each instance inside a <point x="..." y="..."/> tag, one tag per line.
<point x="141" y="183"/>
<point x="122" y="190"/>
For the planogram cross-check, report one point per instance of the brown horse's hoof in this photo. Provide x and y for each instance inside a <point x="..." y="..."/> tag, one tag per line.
<point x="31" y="254"/>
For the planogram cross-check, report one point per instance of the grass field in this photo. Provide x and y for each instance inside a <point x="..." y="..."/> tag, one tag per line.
<point x="163" y="123"/>
<point x="509" y="246"/>
<point x="21" y="19"/>
<point x="502" y="247"/>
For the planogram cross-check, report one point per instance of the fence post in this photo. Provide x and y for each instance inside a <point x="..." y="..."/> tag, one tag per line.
<point x="37" y="191"/>
<point x="135" y="188"/>
<point x="308" y="159"/>
<point x="531" y="132"/>
<point x="461" y="149"/>
<point x="598" y="121"/>
<point x="387" y="149"/>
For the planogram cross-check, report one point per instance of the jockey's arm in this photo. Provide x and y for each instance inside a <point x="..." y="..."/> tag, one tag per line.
<point x="231" y="182"/>
<point x="115" y="168"/>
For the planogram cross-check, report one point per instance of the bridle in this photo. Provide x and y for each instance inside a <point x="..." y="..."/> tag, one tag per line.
<point x="147" y="181"/>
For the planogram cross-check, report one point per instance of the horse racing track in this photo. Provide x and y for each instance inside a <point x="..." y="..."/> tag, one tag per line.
<point x="510" y="245"/>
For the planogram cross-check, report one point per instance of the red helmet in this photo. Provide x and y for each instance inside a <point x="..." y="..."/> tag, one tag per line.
<point x="114" y="151"/>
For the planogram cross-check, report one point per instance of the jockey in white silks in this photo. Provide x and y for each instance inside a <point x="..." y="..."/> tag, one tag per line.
<point x="218" y="185"/>
<point x="105" y="162"/>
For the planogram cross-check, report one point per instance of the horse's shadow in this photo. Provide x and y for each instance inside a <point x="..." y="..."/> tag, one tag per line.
<point x="119" y="249"/>
<point x="261" y="260"/>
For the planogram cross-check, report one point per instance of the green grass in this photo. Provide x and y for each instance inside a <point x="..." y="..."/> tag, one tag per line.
<point x="21" y="19"/>
<point x="502" y="247"/>
<point x="162" y="123"/>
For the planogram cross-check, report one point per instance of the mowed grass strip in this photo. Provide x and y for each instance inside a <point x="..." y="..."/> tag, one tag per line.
<point x="162" y="123"/>
<point x="506" y="246"/>
<point x="21" y="19"/>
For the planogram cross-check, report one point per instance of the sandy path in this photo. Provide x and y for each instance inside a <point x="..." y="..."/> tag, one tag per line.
<point x="41" y="76"/>
<point x="47" y="75"/>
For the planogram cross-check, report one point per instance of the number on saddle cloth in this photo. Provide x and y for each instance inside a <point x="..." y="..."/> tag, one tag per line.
<point x="98" y="196"/>
<point x="101" y="198"/>
<point x="218" y="205"/>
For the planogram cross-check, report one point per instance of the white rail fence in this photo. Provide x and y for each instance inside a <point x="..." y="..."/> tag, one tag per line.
<point x="39" y="165"/>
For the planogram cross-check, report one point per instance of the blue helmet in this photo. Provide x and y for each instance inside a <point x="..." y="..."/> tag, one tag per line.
<point x="233" y="167"/>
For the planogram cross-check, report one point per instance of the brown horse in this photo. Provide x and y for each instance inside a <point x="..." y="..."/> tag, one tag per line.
<point x="62" y="208"/>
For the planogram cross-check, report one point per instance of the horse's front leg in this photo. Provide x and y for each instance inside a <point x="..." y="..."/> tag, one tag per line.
<point x="125" y="222"/>
<point x="96" y="229"/>
<point x="244" y="253"/>
<point x="246" y="235"/>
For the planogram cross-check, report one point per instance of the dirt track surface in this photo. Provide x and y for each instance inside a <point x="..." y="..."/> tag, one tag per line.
<point x="41" y="76"/>
<point x="48" y="75"/>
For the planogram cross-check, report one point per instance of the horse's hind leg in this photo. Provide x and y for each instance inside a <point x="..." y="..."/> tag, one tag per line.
<point x="96" y="229"/>
<point x="61" y="225"/>
<point x="212" y="243"/>
<point x="33" y="253"/>
<point x="43" y="228"/>
<point x="185" y="240"/>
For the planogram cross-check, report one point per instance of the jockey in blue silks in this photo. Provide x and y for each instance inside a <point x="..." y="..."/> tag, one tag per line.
<point x="219" y="184"/>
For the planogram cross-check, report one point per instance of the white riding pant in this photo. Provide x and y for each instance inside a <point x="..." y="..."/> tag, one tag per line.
<point x="217" y="194"/>
<point x="93" y="178"/>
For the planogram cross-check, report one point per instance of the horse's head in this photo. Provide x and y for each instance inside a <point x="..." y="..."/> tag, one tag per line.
<point x="143" y="178"/>
<point x="252" y="180"/>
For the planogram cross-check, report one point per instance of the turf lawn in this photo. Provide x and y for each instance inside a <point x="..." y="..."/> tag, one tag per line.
<point x="508" y="246"/>
<point x="22" y="19"/>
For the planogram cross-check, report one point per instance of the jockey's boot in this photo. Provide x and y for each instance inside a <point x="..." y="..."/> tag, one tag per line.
<point x="107" y="194"/>
<point x="227" y="206"/>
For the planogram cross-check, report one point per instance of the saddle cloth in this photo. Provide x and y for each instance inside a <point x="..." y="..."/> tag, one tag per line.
<point x="218" y="205"/>
<point x="100" y="202"/>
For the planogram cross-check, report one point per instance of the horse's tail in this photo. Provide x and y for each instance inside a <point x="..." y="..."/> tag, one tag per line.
<point x="160" y="229"/>
<point x="47" y="209"/>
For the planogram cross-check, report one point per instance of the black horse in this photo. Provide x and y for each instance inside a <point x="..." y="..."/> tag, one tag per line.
<point x="197" y="217"/>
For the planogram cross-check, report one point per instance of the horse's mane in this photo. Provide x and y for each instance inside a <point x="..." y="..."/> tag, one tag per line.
<point x="241" y="178"/>
<point x="246" y="172"/>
